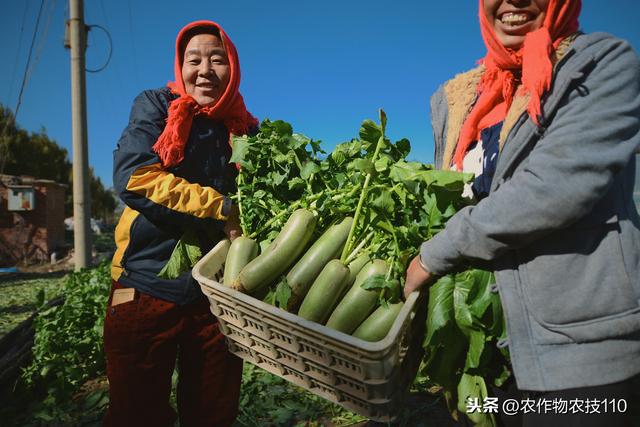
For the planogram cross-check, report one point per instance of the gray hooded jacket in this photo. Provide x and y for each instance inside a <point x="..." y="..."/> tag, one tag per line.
<point x="559" y="226"/>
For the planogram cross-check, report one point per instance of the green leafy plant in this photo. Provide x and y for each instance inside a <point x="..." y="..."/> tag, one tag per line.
<point x="396" y="204"/>
<point x="464" y="323"/>
<point x="68" y="338"/>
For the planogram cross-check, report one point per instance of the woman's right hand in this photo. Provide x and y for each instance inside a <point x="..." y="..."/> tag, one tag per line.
<point x="232" y="227"/>
<point x="417" y="276"/>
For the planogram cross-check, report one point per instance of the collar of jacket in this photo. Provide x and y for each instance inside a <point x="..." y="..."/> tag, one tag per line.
<point x="461" y="94"/>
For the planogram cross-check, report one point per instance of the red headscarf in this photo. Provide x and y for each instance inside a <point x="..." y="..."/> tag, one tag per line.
<point x="230" y="108"/>
<point x="533" y="59"/>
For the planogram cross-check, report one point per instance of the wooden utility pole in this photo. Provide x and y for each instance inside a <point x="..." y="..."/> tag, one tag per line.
<point x="81" y="197"/>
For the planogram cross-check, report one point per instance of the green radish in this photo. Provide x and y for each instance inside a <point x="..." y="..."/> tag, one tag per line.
<point x="242" y="250"/>
<point x="282" y="252"/>
<point x="358" y="303"/>
<point x="356" y="265"/>
<point x="306" y="270"/>
<point x="325" y="292"/>
<point x="377" y="325"/>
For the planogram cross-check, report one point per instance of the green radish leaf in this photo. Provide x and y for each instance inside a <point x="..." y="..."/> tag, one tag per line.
<point x="406" y="174"/>
<point x="296" y="184"/>
<point x="192" y="248"/>
<point x="473" y="387"/>
<point x="270" y="297"/>
<point x="377" y="281"/>
<point x="277" y="178"/>
<point x="178" y="262"/>
<point x="449" y="179"/>
<point x="482" y="300"/>
<point x="298" y="140"/>
<point x="282" y="294"/>
<point x="476" y="347"/>
<point x="282" y="128"/>
<point x="440" y="311"/>
<point x="315" y="146"/>
<point x="370" y="132"/>
<point x="402" y="197"/>
<point x="184" y="256"/>
<point x="497" y="327"/>
<point x="382" y="164"/>
<point x="240" y="146"/>
<point x="383" y="201"/>
<point x="363" y="165"/>
<point x="404" y="147"/>
<point x="383" y="119"/>
<point x="463" y="316"/>
<point x="308" y="169"/>
<point x="338" y="156"/>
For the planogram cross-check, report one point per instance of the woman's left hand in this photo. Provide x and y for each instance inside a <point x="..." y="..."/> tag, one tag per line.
<point x="417" y="276"/>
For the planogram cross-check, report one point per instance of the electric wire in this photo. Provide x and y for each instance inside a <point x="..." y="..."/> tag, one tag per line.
<point x="49" y="11"/>
<point x="110" y="49"/>
<point x="14" y="117"/>
<point x="25" y="75"/>
<point x="15" y="62"/>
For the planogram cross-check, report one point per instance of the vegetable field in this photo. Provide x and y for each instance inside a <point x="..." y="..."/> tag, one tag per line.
<point x="20" y="295"/>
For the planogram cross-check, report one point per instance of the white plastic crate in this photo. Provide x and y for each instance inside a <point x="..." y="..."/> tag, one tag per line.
<point x="368" y="378"/>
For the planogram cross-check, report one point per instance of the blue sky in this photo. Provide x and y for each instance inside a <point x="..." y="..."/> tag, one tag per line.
<point x="323" y="66"/>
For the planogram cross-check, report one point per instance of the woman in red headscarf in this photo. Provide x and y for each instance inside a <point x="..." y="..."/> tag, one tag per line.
<point x="171" y="169"/>
<point x="549" y="123"/>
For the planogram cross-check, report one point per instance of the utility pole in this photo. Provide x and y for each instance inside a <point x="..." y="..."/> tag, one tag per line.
<point x="81" y="198"/>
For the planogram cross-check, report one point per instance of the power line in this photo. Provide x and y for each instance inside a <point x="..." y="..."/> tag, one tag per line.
<point x="43" y="35"/>
<point x="24" y="78"/>
<point x="15" y="63"/>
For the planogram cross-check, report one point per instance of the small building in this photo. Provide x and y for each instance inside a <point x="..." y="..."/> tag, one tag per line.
<point x="31" y="219"/>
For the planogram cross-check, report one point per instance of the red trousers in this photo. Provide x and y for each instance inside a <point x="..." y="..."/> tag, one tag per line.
<point x="142" y="339"/>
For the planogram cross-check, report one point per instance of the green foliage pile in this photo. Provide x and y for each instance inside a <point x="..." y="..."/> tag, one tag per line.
<point x="397" y="204"/>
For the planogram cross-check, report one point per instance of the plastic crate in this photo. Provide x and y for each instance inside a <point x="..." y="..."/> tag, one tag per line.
<point x="369" y="378"/>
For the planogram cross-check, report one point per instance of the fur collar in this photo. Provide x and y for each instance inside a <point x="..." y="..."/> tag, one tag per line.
<point x="461" y="95"/>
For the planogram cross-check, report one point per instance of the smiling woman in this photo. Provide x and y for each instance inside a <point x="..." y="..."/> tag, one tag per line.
<point x="550" y="123"/>
<point x="171" y="169"/>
